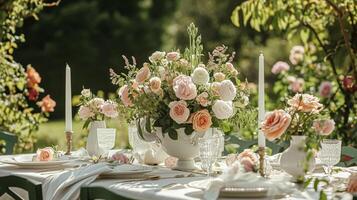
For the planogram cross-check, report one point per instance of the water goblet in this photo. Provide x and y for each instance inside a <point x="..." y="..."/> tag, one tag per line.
<point x="208" y="148"/>
<point x="330" y="154"/>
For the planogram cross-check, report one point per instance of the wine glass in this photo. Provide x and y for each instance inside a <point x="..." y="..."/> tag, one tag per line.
<point x="330" y="153"/>
<point x="208" y="148"/>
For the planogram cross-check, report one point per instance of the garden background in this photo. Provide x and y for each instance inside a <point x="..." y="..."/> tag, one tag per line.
<point x="91" y="36"/>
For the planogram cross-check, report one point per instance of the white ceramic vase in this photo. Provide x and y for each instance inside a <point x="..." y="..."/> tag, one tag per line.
<point x="92" y="146"/>
<point x="185" y="148"/>
<point x="293" y="158"/>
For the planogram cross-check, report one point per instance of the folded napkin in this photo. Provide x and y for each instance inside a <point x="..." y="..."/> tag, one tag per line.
<point x="67" y="185"/>
<point x="235" y="176"/>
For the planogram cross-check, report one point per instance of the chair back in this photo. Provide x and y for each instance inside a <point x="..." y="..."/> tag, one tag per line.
<point x="7" y="183"/>
<point x="10" y="141"/>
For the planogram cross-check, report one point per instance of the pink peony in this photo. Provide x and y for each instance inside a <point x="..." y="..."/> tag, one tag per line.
<point x="45" y="154"/>
<point x="179" y="111"/>
<point x="296" y="54"/>
<point x="202" y="99"/>
<point x="305" y="103"/>
<point x="109" y="109"/>
<point x="279" y="67"/>
<point x="124" y="95"/>
<point x="275" y="124"/>
<point x="85" y="112"/>
<point x="324" y="127"/>
<point x="172" y="56"/>
<point x="120" y="157"/>
<point x="143" y="74"/>
<point x="184" y="88"/>
<point x="325" y="89"/>
<point x="201" y="121"/>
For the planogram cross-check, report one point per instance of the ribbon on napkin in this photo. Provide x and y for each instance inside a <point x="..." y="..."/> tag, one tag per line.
<point x="67" y="185"/>
<point x="235" y="176"/>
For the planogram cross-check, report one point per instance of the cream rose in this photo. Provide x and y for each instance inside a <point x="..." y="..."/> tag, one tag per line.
<point x="124" y="95"/>
<point x="305" y="103"/>
<point x="227" y="91"/>
<point x="200" y="76"/>
<point x="275" y="124"/>
<point x="184" y="88"/>
<point x="222" y="109"/>
<point x="324" y="127"/>
<point x="85" y="112"/>
<point x="155" y="84"/>
<point x="201" y="121"/>
<point x="45" y="154"/>
<point x="202" y="99"/>
<point x="219" y="76"/>
<point x="173" y="56"/>
<point x="215" y="88"/>
<point x="157" y="56"/>
<point x="143" y="74"/>
<point x="179" y="111"/>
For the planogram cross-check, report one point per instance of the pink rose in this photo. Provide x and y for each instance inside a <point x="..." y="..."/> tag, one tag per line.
<point x="179" y="111"/>
<point x="248" y="159"/>
<point x="201" y="121"/>
<point x="120" y="157"/>
<point x="325" y="89"/>
<point x="172" y="56"/>
<point x="275" y="124"/>
<point x="324" y="127"/>
<point x="248" y="153"/>
<point x="45" y="154"/>
<point x="352" y="183"/>
<point x="248" y="164"/>
<point x="155" y="84"/>
<point x="184" y="88"/>
<point x="109" y="109"/>
<point x="296" y="84"/>
<point x="280" y="67"/>
<point x="296" y="54"/>
<point x="170" y="162"/>
<point x="124" y="95"/>
<point x="85" y="112"/>
<point x="202" y="99"/>
<point x="305" y="103"/>
<point x="143" y="74"/>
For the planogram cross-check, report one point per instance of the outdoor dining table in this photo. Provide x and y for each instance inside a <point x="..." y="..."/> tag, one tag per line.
<point x="62" y="183"/>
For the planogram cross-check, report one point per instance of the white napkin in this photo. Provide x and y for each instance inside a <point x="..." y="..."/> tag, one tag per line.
<point x="67" y="185"/>
<point x="234" y="176"/>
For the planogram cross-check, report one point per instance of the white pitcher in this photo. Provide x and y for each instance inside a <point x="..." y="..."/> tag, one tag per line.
<point x="92" y="146"/>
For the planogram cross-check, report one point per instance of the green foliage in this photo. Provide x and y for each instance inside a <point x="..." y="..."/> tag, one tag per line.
<point x="331" y="26"/>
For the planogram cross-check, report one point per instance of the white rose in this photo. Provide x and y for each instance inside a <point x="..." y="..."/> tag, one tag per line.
<point x="157" y="56"/>
<point x="227" y="91"/>
<point x="200" y="76"/>
<point x="243" y="102"/>
<point x="86" y="92"/>
<point x="96" y="103"/>
<point x="222" y="109"/>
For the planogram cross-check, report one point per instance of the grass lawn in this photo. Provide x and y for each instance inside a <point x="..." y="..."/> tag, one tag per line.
<point x="52" y="133"/>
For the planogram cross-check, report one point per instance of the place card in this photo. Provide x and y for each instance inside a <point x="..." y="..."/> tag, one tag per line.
<point x="106" y="138"/>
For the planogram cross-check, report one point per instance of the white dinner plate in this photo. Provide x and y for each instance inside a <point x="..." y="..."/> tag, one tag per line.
<point x="126" y="170"/>
<point x="25" y="161"/>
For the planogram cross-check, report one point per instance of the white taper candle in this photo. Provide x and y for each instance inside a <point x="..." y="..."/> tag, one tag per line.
<point x="68" y="100"/>
<point x="261" y="103"/>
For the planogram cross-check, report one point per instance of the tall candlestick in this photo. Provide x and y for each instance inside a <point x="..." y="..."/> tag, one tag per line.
<point x="68" y="102"/>
<point x="261" y="104"/>
<point x="68" y="115"/>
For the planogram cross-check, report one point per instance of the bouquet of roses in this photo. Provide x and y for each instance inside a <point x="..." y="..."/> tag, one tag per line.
<point x="93" y="108"/>
<point x="177" y="90"/>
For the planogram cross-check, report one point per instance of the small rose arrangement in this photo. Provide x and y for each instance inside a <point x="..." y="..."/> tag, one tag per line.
<point x="177" y="90"/>
<point x="302" y="116"/>
<point x="247" y="159"/>
<point x="92" y="108"/>
<point x="47" y="154"/>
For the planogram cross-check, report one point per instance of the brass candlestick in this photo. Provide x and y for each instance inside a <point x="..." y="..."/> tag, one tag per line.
<point x="69" y="142"/>
<point x="261" y="152"/>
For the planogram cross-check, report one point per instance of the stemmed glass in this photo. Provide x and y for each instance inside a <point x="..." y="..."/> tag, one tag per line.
<point x="330" y="153"/>
<point x="208" y="148"/>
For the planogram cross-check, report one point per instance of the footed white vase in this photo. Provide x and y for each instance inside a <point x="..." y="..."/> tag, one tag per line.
<point x="292" y="159"/>
<point x="92" y="146"/>
<point x="185" y="148"/>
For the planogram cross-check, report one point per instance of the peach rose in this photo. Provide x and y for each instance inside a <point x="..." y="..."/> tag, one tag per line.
<point x="305" y="103"/>
<point x="33" y="78"/>
<point x="184" y="88"/>
<point x="275" y="124"/>
<point x="45" y="154"/>
<point x="47" y="104"/>
<point x="155" y="84"/>
<point x="248" y="164"/>
<point x="352" y="183"/>
<point x="324" y="127"/>
<point x="248" y="153"/>
<point x="143" y="74"/>
<point x="179" y="111"/>
<point x="201" y="121"/>
<point x="172" y="56"/>
<point x="124" y="95"/>
<point x="202" y="99"/>
<point x="219" y="76"/>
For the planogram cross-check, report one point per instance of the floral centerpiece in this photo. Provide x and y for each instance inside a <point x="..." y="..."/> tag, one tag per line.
<point x="176" y="94"/>
<point x="304" y="122"/>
